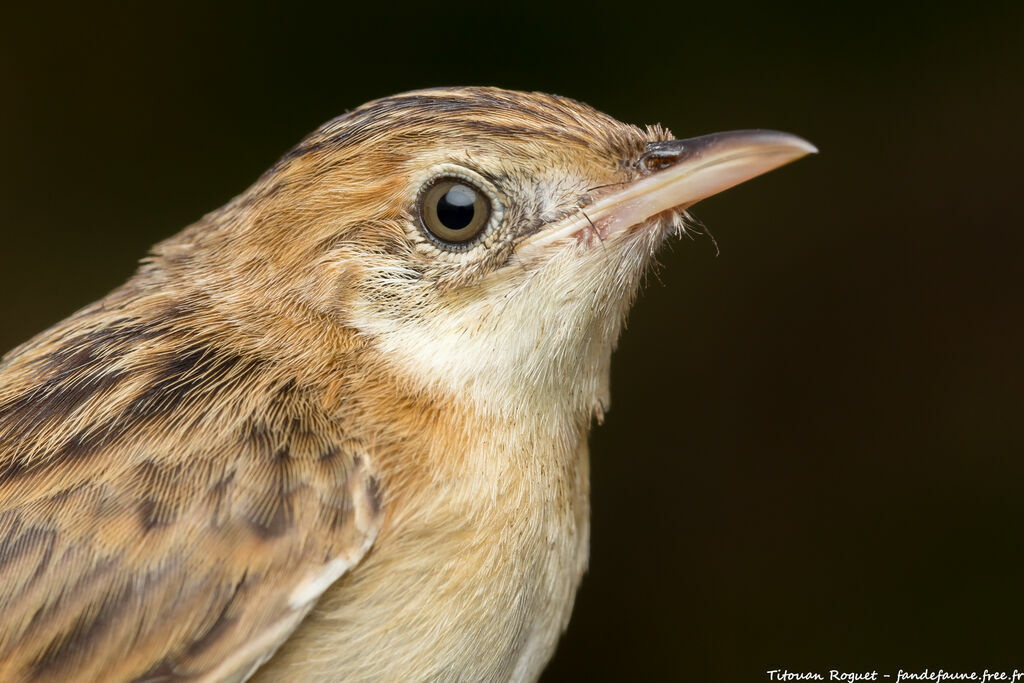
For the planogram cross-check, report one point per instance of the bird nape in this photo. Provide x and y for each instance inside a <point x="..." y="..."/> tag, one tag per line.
<point x="337" y="429"/>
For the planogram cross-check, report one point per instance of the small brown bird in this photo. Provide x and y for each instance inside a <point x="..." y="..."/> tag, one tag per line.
<point x="337" y="429"/>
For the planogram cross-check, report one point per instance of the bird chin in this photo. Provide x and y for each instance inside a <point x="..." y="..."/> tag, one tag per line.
<point x="659" y="226"/>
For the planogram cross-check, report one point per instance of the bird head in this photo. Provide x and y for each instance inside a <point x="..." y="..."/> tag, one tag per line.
<point x="477" y="242"/>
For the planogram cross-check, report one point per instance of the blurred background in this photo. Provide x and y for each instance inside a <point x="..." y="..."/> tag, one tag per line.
<point x="815" y="453"/>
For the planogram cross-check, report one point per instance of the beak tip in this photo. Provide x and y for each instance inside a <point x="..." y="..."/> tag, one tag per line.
<point x="797" y="144"/>
<point x="807" y="147"/>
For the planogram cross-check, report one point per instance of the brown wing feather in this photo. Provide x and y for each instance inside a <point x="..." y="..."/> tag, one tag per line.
<point x="168" y="510"/>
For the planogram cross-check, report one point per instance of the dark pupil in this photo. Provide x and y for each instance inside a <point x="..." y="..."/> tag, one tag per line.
<point x="455" y="208"/>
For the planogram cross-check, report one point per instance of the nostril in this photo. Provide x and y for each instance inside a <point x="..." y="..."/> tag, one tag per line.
<point x="656" y="162"/>
<point x="662" y="154"/>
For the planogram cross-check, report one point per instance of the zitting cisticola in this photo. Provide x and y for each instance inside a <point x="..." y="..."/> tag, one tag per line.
<point x="337" y="429"/>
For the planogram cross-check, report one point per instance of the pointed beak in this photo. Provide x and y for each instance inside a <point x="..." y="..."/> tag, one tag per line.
<point x="675" y="175"/>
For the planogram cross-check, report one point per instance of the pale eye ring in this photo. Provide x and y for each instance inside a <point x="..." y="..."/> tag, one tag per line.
<point x="453" y="211"/>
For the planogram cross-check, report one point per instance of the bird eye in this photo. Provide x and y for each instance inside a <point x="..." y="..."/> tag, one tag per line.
<point x="454" y="211"/>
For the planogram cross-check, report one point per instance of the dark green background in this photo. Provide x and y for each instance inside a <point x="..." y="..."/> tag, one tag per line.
<point x="815" y="453"/>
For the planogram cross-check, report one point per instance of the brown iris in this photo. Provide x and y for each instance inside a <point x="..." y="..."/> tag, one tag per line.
<point x="453" y="211"/>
